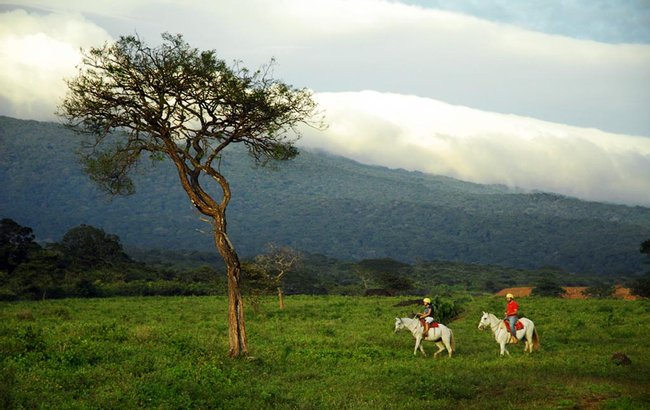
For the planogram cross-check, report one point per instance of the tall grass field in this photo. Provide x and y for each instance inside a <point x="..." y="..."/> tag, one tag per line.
<point x="329" y="352"/>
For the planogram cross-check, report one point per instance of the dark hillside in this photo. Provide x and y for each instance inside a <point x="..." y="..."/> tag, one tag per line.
<point x="320" y="204"/>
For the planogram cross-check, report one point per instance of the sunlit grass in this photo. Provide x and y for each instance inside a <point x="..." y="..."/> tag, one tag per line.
<point x="319" y="352"/>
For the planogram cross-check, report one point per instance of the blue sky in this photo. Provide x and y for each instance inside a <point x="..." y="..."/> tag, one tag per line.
<point x="625" y="21"/>
<point x="549" y="95"/>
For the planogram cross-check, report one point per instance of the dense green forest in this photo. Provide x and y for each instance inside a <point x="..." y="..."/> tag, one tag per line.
<point x="89" y="262"/>
<point x="321" y="205"/>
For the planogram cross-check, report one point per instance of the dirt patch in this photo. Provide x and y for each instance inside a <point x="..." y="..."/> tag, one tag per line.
<point x="574" y="292"/>
<point x="571" y="292"/>
<point x="623" y="293"/>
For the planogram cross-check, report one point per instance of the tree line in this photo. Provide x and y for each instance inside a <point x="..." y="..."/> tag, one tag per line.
<point x="89" y="262"/>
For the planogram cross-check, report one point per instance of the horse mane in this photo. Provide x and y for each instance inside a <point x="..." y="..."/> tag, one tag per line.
<point x="410" y="321"/>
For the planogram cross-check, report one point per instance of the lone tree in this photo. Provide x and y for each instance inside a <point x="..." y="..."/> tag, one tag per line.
<point x="275" y="263"/>
<point x="176" y="102"/>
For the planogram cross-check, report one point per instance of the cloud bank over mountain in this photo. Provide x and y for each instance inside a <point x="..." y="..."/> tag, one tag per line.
<point x="415" y="133"/>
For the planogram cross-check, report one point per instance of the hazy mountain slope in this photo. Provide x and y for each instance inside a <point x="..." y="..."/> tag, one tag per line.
<point x="321" y="204"/>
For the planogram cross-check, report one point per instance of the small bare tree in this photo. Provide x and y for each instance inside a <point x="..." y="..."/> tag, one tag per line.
<point x="365" y="275"/>
<point x="177" y="103"/>
<point x="276" y="262"/>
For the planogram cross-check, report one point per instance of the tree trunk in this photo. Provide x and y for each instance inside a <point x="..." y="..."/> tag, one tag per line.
<point x="207" y="206"/>
<point x="280" y="298"/>
<point x="236" y="326"/>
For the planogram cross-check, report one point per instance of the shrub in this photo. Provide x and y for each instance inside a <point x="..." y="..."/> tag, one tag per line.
<point x="599" y="290"/>
<point x="445" y="310"/>
<point x="641" y="286"/>
<point x="548" y="287"/>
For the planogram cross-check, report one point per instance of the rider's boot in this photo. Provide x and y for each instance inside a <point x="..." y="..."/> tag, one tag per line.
<point x="513" y="340"/>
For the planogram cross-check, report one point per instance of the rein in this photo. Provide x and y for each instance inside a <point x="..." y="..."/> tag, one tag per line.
<point x="495" y="323"/>
<point x="413" y="326"/>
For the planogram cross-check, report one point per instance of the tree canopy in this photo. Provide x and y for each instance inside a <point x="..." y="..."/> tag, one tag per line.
<point x="16" y="243"/>
<point x="87" y="246"/>
<point x="179" y="102"/>
<point x="645" y="247"/>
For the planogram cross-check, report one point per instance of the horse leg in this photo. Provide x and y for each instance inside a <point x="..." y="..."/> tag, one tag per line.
<point x="418" y="344"/>
<point x="528" y="347"/>
<point x="446" y="341"/>
<point x="441" y="347"/>
<point x="504" y="350"/>
<point x="447" y="345"/>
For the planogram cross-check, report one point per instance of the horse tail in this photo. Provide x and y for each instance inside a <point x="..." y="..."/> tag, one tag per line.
<point x="452" y="341"/>
<point x="535" y="339"/>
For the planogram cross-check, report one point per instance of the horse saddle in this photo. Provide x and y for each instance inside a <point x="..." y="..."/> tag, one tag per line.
<point x="518" y="325"/>
<point x="431" y="325"/>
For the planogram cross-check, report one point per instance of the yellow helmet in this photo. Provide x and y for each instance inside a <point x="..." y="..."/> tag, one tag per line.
<point x="510" y="295"/>
<point x="426" y="300"/>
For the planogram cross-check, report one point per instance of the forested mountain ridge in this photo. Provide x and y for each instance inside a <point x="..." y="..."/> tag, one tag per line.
<point x="320" y="204"/>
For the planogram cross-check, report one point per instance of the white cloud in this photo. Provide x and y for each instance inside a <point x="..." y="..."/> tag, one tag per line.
<point x="415" y="133"/>
<point x="352" y="45"/>
<point x="336" y="45"/>
<point x="36" y="53"/>
<point x="600" y="20"/>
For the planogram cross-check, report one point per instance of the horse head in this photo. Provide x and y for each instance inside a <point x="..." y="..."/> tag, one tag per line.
<point x="485" y="321"/>
<point x="399" y="324"/>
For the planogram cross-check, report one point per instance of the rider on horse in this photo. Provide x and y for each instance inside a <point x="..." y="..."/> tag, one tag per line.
<point x="427" y="315"/>
<point x="512" y="309"/>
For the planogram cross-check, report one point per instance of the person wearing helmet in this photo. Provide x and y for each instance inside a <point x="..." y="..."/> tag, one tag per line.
<point x="427" y="315"/>
<point x="512" y="309"/>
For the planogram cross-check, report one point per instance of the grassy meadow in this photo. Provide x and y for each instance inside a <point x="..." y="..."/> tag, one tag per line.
<point x="329" y="352"/>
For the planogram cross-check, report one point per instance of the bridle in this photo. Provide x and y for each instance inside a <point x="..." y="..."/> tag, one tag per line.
<point x="482" y="325"/>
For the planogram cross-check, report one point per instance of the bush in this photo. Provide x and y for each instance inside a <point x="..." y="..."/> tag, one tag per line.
<point x="7" y="294"/>
<point x="548" y="287"/>
<point x="641" y="286"/>
<point x="599" y="290"/>
<point x="86" y="289"/>
<point x="445" y="310"/>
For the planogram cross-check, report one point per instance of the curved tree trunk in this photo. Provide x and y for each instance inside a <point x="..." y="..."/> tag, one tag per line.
<point x="236" y="324"/>
<point x="208" y="206"/>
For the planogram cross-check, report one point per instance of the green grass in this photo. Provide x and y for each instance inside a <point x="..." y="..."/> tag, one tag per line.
<point x="330" y="352"/>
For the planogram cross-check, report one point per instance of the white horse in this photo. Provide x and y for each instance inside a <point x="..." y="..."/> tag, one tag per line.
<point x="502" y="335"/>
<point x="441" y="335"/>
